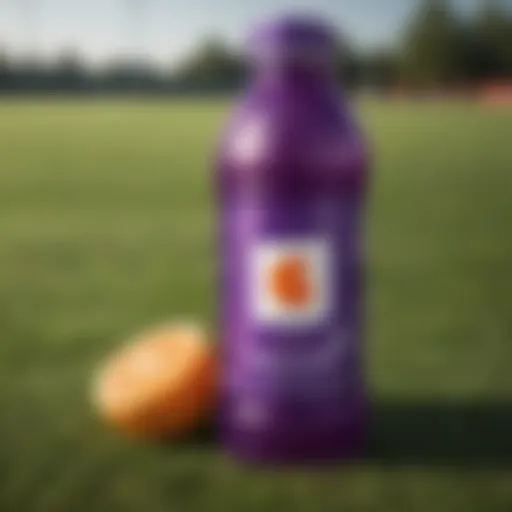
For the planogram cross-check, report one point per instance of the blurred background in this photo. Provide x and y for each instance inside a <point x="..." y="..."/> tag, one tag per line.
<point x="109" y="116"/>
<point x="157" y="46"/>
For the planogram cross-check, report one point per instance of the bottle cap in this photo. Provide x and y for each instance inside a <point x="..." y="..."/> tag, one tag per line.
<point x="299" y="39"/>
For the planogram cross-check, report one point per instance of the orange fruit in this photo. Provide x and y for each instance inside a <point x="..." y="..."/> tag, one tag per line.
<point x="162" y="383"/>
<point x="289" y="281"/>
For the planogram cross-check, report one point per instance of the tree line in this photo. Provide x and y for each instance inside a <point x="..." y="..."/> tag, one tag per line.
<point x="439" y="49"/>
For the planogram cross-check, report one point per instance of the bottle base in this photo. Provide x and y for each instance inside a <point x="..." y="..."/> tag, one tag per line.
<point x="322" y="449"/>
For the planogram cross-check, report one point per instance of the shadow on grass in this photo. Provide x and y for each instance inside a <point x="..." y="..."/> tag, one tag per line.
<point x="205" y="438"/>
<point x="450" y="434"/>
<point x="470" y="435"/>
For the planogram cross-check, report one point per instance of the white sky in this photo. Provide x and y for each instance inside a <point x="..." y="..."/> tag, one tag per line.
<point x="167" y="29"/>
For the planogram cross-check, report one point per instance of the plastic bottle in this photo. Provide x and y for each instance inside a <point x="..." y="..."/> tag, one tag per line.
<point x="292" y="174"/>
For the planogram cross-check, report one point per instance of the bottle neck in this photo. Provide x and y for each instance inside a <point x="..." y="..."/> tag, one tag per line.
<point x="296" y="76"/>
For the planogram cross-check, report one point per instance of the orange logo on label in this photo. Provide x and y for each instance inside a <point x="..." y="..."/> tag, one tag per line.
<point x="290" y="281"/>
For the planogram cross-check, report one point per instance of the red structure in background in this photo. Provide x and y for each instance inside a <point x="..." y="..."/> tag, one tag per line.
<point x="496" y="93"/>
<point x="499" y="93"/>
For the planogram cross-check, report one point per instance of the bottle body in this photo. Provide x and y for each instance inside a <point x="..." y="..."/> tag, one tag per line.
<point x="292" y="175"/>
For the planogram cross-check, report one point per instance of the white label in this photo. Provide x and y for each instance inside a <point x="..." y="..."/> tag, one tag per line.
<point x="291" y="282"/>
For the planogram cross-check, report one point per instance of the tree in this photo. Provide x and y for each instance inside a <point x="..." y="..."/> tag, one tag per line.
<point x="69" y="72"/>
<point x="4" y="70"/>
<point x="213" y="65"/>
<point x="493" y="41"/>
<point x="433" y="52"/>
<point x="348" y="65"/>
<point x="380" y="69"/>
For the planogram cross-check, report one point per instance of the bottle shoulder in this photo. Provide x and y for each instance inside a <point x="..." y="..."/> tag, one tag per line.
<point x="293" y="130"/>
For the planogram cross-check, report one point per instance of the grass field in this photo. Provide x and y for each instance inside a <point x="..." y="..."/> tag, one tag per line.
<point x="106" y="226"/>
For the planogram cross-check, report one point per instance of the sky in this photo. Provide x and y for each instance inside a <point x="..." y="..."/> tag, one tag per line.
<point x="168" y="30"/>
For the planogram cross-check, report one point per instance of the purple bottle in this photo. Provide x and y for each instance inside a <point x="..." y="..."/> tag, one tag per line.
<point x="292" y="180"/>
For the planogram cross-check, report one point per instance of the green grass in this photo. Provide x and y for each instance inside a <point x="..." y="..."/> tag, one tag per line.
<point x="106" y="226"/>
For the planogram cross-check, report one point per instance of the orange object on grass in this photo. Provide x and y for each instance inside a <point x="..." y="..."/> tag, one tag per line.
<point x="290" y="281"/>
<point x="161" y="384"/>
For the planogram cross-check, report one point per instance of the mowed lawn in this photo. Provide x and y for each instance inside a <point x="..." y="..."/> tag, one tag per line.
<point x="107" y="225"/>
